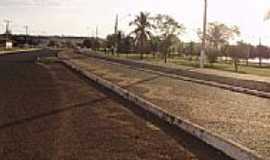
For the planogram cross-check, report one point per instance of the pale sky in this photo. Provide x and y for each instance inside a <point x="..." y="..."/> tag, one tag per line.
<point x="80" y="17"/>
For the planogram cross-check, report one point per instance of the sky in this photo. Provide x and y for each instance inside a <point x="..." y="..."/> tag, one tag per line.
<point x="80" y="17"/>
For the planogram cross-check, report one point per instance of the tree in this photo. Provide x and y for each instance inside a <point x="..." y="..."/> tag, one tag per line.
<point x="246" y="50"/>
<point x="52" y="43"/>
<point x="155" y="44"/>
<point x="189" y="50"/>
<point x="119" y="37"/>
<point x="126" y="44"/>
<point x="168" y="30"/>
<point x="224" y="51"/>
<point x="218" y="34"/>
<point x="212" y="55"/>
<point x="262" y="52"/>
<point x="165" y="45"/>
<point x="237" y="52"/>
<point x="87" y="43"/>
<point x="142" y="31"/>
<point x="95" y="44"/>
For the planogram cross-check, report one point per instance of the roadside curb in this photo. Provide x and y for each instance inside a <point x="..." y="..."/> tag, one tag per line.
<point x="228" y="147"/>
<point x="160" y="70"/>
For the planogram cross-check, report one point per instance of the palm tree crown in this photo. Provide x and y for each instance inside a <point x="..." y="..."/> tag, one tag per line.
<point x="142" y="30"/>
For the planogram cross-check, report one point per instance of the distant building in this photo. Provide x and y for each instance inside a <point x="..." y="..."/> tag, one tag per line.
<point x="2" y="42"/>
<point x="5" y="41"/>
<point x="9" y="44"/>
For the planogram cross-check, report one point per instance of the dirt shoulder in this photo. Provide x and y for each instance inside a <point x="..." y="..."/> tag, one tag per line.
<point x="252" y="82"/>
<point x="47" y="112"/>
<point x="239" y="117"/>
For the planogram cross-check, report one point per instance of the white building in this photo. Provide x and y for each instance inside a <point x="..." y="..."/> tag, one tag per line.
<point x="9" y="44"/>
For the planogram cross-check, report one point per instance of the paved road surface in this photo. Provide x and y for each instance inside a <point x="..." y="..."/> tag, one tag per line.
<point x="24" y="56"/>
<point x="47" y="113"/>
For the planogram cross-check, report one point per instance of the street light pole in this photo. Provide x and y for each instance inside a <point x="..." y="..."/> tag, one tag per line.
<point x="26" y="33"/>
<point x="202" y="56"/>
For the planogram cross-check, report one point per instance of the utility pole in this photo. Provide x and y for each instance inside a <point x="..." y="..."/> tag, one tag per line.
<point x="26" y="33"/>
<point x="26" y="30"/>
<point x="203" y="49"/>
<point x="116" y="25"/>
<point x="96" y="32"/>
<point x="96" y="43"/>
<point x="7" y="26"/>
<point x="116" y="34"/>
<point x="8" y="32"/>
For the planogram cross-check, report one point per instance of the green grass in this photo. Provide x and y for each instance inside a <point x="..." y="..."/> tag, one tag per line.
<point x="253" y="69"/>
<point x="48" y="61"/>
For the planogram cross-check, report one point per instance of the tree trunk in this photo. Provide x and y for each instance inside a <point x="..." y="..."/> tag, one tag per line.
<point x="141" y="56"/>
<point x="153" y="54"/>
<point x="247" y="62"/>
<point x="260" y="61"/>
<point x="165" y="58"/>
<point x="235" y="65"/>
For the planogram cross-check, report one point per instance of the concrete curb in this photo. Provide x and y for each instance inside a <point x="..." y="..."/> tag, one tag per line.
<point x="228" y="147"/>
<point x="239" y="89"/>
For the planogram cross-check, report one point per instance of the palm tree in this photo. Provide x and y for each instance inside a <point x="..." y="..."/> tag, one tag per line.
<point x="142" y="31"/>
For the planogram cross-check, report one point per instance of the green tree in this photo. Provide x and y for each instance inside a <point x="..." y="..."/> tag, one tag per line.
<point x="87" y="43"/>
<point x="168" y="29"/>
<point x="155" y="44"/>
<point x="237" y="52"/>
<point x="142" y="31"/>
<point x="219" y="34"/>
<point x="126" y="44"/>
<point x="212" y="55"/>
<point x="246" y="50"/>
<point x="52" y="43"/>
<point x="262" y="52"/>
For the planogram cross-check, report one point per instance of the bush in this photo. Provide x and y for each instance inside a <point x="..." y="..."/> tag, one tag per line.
<point x="87" y="43"/>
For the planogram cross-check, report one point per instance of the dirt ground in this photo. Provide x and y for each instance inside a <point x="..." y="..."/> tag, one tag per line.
<point x="239" y="117"/>
<point x="247" y="81"/>
<point x="47" y="113"/>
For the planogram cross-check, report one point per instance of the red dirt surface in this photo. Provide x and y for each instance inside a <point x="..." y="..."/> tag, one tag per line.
<point x="49" y="113"/>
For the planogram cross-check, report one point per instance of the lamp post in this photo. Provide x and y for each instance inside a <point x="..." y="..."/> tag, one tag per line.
<point x="116" y="30"/>
<point x="203" y="49"/>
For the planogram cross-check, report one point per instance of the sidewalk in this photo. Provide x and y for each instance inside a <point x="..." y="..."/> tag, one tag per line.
<point x="242" y="118"/>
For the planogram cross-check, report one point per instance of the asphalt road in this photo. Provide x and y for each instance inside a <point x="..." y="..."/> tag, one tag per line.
<point x="47" y="112"/>
<point x="26" y="57"/>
